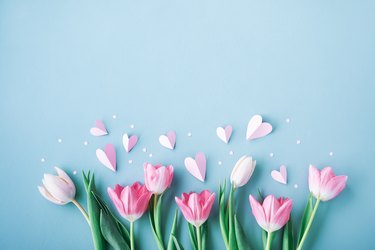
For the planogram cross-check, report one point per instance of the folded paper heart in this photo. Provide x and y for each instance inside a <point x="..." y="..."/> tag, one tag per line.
<point x="99" y="129"/>
<point x="107" y="156"/>
<point x="197" y="166"/>
<point x="257" y="129"/>
<point x="280" y="176"/>
<point x="129" y="142"/>
<point x="168" y="140"/>
<point x="224" y="133"/>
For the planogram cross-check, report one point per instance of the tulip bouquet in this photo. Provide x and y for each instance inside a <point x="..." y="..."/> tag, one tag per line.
<point x="272" y="214"/>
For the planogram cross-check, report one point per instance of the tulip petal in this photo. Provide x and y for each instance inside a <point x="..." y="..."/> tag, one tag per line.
<point x="116" y="201"/>
<point x="333" y="187"/>
<point x="314" y="180"/>
<point x="270" y="206"/>
<point x="258" y="213"/>
<point x="325" y="175"/>
<point x="282" y="216"/>
<point x="186" y="211"/>
<point x="65" y="177"/>
<point x="48" y="196"/>
<point x="58" y="188"/>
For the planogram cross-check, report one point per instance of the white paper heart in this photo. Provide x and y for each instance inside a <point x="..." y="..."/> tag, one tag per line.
<point x="99" y="129"/>
<point x="107" y="156"/>
<point x="280" y="176"/>
<point x="129" y="142"/>
<point x="224" y="133"/>
<point x="168" y="140"/>
<point x="197" y="166"/>
<point x="257" y="129"/>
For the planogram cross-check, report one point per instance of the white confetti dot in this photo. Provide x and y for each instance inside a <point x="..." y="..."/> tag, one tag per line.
<point x="231" y="152"/>
<point x="189" y="134"/>
<point x="219" y="163"/>
<point x="150" y="155"/>
<point x="132" y="126"/>
<point x="74" y="172"/>
<point x="42" y="160"/>
<point x="59" y="140"/>
<point x="287" y="120"/>
<point x="85" y="143"/>
<point x="271" y="154"/>
<point x="144" y="150"/>
<point x="295" y="186"/>
<point x="130" y="161"/>
<point x="330" y="153"/>
<point x="114" y="116"/>
<point x="298" y="142"/>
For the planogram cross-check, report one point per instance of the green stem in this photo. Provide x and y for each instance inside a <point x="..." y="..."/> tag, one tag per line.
<point x="132" y="236"/>
<point x="199" y="240"/>
<point x="268" y="246"/>
<point x="83" y="211"/>
<point x="309" y="224"/>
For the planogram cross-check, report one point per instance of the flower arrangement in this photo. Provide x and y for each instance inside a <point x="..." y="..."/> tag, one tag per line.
<point x="131" y="202"/>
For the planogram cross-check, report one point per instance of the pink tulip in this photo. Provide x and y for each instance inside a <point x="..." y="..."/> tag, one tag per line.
<point x="324" y="185"/>
<point x="273" y="214"/>
<point x="196" y="207"/>
<point x="158" y="178"/>
<point x="131" y="201"/>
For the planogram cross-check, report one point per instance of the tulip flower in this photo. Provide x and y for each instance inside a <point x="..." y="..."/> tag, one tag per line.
<point x="272" y="215"/>
<point x="60" y="190"/>
<point x="131" y="202"/>
<point x="196" y="208"/>
<point x="324" y="185"/>
<point x="157" y="179"/>
<point x="242" y="171"/>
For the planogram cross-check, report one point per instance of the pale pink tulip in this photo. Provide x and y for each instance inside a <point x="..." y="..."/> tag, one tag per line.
<point x="324" y="185"/>
<point x="273" y="214"/>
<point x="158" y="178"/>
<point x="196" y="207"/>
<point x="242" y="171"/>
<point x="131" y="201"/>
<point x="59" y="188"/>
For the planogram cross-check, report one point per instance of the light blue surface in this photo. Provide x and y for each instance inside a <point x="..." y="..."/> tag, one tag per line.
<point x="189" y="66"/>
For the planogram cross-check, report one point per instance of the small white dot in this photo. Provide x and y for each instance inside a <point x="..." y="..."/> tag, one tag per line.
<point x="330" y="153"/>
<point x="298" y="142"/>
<point x="287" y="120"/>
<point x="189" y="134"/>
<point x="130" y="161"/>
<point x="42" y="160"/>
<point x="114" y="116"/>
<point x="59" y="140"/>
<point x="231" y="152"/>
<point x="74" y="172"/>
<point x="85" y="143"/>
<point x="219" y="163"/>
<point x="271" y="154"/>
<point x="295" y="186"/>
<point x="150" y="155"/>
<point x="132" y="126"/>
<point x="144" y="150"/>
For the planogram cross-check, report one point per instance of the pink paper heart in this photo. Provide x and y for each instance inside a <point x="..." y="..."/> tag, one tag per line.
<point x="129" y="142"/>
<point x="224" y="134"/>
<point x="280" y="176"/>
<point x="197" y="166"/>
<point x="169" y="140"/>
<point x="99" y="129"/>
<point x="256" y="128"/>
<point x="107" y="156"/>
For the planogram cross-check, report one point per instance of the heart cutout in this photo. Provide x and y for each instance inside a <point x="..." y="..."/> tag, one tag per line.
<point x="99" y="129"/>
<point x="257" y="129"/>
<point x="224" y="133"/>
<point x="280" y="176"/>
<point x="129" y="142"/>
<point x="168" y="140"/>
<point x="107" y="156"/>
<point x="197" y="166"/>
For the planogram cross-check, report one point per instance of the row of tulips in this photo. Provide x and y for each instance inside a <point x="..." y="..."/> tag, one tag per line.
<point x="132" y="202"/>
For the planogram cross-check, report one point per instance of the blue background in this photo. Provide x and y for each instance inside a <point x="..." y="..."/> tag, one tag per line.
<point x="189" y="66"/>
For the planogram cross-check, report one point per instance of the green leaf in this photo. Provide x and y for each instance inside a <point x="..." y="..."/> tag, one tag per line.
<point x="171" y="245"/>
<point x="240" y="235"/>
<point x="94" y="212"/>
<point x="177" y="244"/>
<point x="288" y="242"/>
<point x="152" y="213"/>
<point x="264" y="238"/>
<point x="157" y="218"/>
<point x="223" y="218"/>
<point x="204" y="235"/>
<point x="305" y="218"/>
<point x="111" y="233"/>
<point x="232" y="233"/>
<point x="193" y="237"/>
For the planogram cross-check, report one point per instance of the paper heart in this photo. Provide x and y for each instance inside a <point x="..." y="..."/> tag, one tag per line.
<point x="99" y="129"/>
<point x="107" y="156"/>
<point x="256" y="128"/>
<point x="169" y="140"/>
<point x="197" y="166"/>
<point x="129" y="142"/>
<point x="224" y="134"/>
<point x="280" y="176"/>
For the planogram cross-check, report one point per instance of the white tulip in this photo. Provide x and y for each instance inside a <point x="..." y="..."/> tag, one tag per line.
<point x="242" y="171"/>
